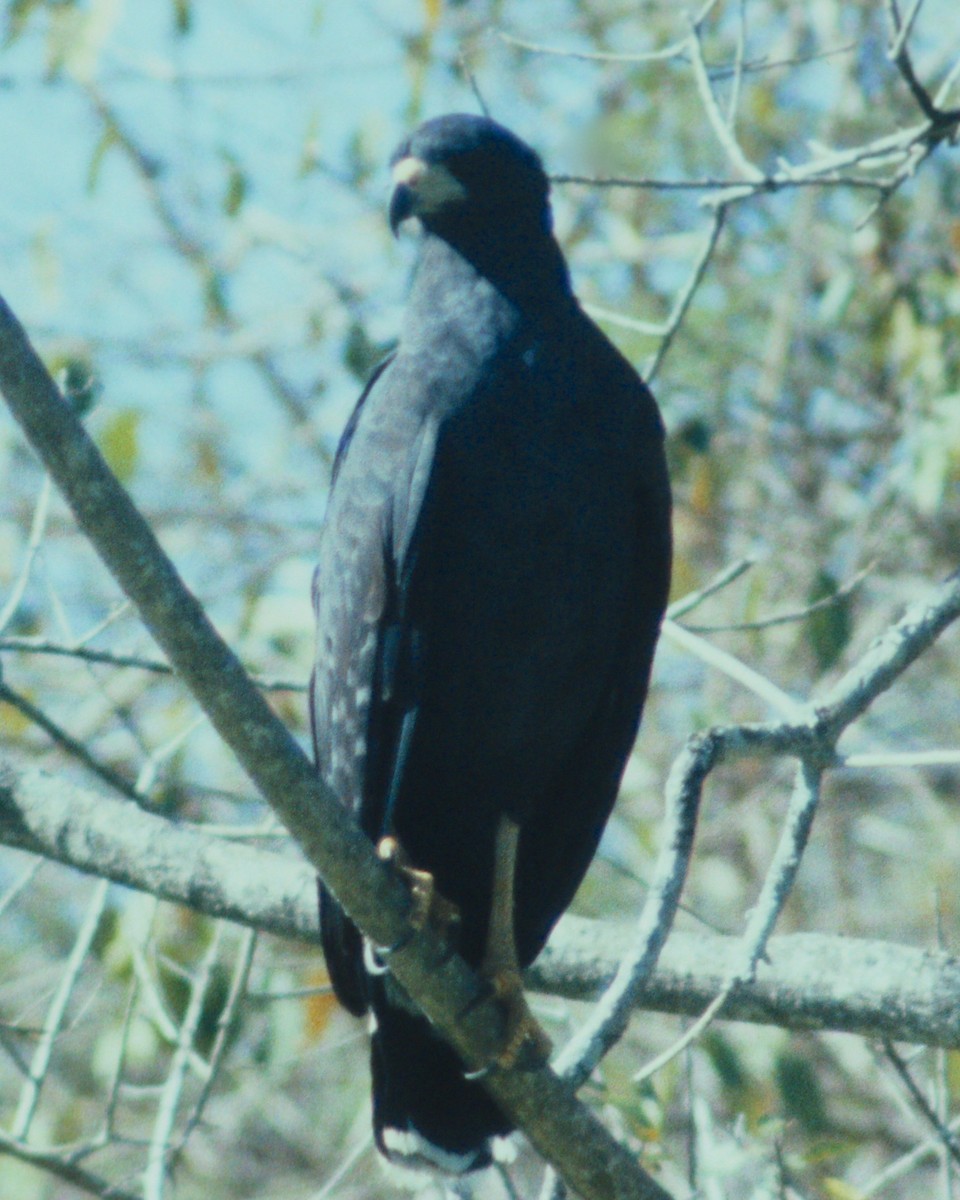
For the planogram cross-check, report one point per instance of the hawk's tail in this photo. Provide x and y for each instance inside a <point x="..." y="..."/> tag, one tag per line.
<point x="426" y="1115"/>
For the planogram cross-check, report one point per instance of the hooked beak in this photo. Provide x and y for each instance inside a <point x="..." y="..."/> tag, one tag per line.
<point x="403" y="204"/>
<point x="421" y="189"/>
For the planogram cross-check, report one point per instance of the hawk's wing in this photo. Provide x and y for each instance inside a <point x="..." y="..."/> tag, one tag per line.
<point x="380" y="475"/>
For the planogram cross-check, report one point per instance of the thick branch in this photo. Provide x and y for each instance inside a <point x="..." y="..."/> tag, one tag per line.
<point x="561" y="1128"/>
<point x="808" y="981"/>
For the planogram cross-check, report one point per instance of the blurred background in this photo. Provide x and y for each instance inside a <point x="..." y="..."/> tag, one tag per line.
<point x="192" y="231"/>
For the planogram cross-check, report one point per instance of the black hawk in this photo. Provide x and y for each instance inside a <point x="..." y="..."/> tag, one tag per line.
<point x="493" y="571"/>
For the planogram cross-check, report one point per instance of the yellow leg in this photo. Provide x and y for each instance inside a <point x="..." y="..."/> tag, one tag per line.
<point x="525" y="1043"/>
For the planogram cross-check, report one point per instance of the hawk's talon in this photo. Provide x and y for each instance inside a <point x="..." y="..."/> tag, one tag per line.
<point x="525" y="1045"/>
<point x="427" y="906"/>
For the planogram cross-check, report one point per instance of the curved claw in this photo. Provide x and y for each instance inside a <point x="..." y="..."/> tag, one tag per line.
<point x="482" y="1073"/>
<point x="374" y="957"/>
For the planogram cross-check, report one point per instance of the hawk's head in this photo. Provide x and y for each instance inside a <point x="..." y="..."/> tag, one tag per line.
<point x="462" y="169"/>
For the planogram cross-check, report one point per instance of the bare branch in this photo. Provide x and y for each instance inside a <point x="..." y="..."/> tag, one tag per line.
<point x="61" y="1167"/>
<point x="69" y="744"/>
<point x="610" y="1017"/>
<point x="720" y="125"/>
<point x="160" y="1143"/>
<point x="37" y="528"/>
<point x="810" y="736"/>
<point x="34" y="645"/>
<point x="39" y="1064"/>
<point x="946" y="1135"/>
<point x="685" y="298"/>
<point x="787" y="618"/>
<point x="889" y="655"/>
<point x="723" y="579"/>
<point x="900" y="55"/>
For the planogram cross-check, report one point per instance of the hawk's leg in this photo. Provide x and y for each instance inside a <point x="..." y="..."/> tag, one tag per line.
<point x="525" y="1043"/>
<point x="428" y="907"/>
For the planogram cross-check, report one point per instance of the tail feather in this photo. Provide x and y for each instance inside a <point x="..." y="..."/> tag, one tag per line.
<point x="425" y="1113"/>
<point x="343" y="952"/>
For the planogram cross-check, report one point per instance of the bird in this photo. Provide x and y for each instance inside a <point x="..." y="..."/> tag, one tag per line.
<point x="492" y="573"/>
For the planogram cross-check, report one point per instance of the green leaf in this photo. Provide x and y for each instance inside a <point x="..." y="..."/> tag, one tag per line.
<point x="360" y="353"/>
<point x="828" y="630"/>
<point x="936" y="453"/>
<point x="800" y="1090"/>
<point x="837" y="1189"/>
<point x="107" y="139"/>
<point x="182" y="16"/>
<point x="215" y="296"/>
<point x="310" y="147"/>
<point x="237" y="185"/>
<point x="119" y="443"/>
<point x="18" y="14"/>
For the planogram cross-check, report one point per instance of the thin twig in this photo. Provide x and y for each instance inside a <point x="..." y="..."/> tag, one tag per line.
<point x="190" y="246"/>
<point x="62" y="1168"/>
<point x="909" y="759"/>
<point x="119" y="1066"/>
<point x="791" y="617"/>
<point x="718" y="123"/>
<point x="226" y="1021"/>
<point x="155" y="1173"/>
<point x="902" y="29"/>
<point x="776" y="888"/>
<point x="693" y="600"/>
<point x="56" y="1013"/>
<point x="731" y="666"/>
<point x="899" y="54"/>
<point x="611" y="1014"/>
<point x="943" y="1132"/>
<point x="345" y="1167"/>
<point x="612" y="317"/>
<point x="673" y="50"/>
<point x="733" y="104"/>
<point x="18" y="885"/>
<point x="685" y="298"/>
<point x="37" y="529"/>
<point x="34" y="645"/>
<point x="904" y="1164"/>
<point x="70" y="744"/>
